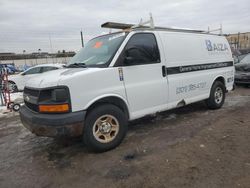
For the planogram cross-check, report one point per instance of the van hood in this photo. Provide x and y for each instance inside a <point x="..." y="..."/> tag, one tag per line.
<point x="52" y="78"/>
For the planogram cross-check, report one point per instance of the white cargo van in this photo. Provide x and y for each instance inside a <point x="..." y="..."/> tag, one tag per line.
<point x="126" y="75"/>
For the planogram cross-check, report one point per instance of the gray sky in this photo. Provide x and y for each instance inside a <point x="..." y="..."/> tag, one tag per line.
<point x="27" y="24"/>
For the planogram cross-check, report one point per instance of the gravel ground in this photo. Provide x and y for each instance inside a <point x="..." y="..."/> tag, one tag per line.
<point x="187" y="147"/>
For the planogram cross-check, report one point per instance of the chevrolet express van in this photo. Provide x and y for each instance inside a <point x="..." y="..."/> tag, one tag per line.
<point x="124" y="76"/>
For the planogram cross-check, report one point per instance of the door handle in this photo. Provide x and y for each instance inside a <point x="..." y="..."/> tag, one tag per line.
<point x="164" y="71"/>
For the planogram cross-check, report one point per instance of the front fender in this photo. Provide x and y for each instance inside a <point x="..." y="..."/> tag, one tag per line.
<point x="104" y="96"/>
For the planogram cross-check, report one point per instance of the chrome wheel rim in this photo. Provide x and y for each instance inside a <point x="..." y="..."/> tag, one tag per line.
<point x="16" y="107"/>
<point x="106" y="128"/>
<point x="218" y="95"/>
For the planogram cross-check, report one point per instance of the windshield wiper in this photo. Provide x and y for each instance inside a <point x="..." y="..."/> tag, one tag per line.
<point x="76" y="65"/>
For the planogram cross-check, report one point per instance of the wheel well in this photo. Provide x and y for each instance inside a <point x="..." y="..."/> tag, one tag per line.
<point x="221" y="79"/>
<point x="111" y="100"/>
<point x="11" y="81"/>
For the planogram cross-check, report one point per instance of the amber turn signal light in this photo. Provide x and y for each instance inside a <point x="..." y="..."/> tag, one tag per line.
<point x="54" y="108"/>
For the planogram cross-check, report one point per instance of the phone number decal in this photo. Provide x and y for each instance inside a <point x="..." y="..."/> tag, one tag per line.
<point x="190" y="87"/>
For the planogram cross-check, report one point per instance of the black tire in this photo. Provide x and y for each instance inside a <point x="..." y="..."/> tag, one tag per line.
<point x="234" y="86"/>
<point x="92" y="143"/>
<point x="16" y="107"/>
<point x="10" y="105"/>
<point x="213" y="102"/>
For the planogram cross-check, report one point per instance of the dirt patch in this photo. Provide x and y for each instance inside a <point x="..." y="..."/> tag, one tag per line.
<point x="186" y="147"/>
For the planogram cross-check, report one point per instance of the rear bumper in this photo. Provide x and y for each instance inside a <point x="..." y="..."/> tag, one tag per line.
<point x="53" y="125"/>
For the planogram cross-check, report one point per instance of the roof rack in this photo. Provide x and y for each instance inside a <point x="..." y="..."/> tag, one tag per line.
<point x="144" y="25"/>
<point x="180" y="29"/>
<point x="116" y="25"/>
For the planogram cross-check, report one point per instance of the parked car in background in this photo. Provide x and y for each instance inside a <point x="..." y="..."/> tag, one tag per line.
<point x="17" y="82"/>
<point x="238" y="58"/>
<point x="242" y="71"/>
<point x="11" y="69"/>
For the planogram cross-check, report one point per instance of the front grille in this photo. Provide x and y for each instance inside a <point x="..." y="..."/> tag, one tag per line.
<point x="31" y="98"/>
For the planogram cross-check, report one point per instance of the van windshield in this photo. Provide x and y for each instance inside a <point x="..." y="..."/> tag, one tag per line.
<point x="98" y="52"/>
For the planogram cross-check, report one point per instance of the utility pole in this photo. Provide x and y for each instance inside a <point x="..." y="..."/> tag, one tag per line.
<point x="248" y="41"/>
<point x="24" y="56"/>
<point x="238" y="43"/>
<point x="221" y="29"/>
<point x="82" y="38"/>
<point x="50" y="43"/>
<point x="1" y="87"/>
<point x="51" y="49"/>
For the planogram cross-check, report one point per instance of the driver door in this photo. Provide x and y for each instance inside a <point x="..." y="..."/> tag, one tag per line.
<point x="144" y="75"/>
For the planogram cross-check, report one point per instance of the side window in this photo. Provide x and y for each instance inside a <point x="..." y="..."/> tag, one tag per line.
<point x="45" y="69"/>
<point x="34" y="70"/>
<point x="141" y="49"/>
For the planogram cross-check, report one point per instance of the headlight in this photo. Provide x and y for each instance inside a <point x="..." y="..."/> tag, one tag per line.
<point x="59" y="95"/>
<point x="54" y="100"/>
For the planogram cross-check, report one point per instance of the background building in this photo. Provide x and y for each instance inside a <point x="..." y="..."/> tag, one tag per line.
<point x="240" y="41"/>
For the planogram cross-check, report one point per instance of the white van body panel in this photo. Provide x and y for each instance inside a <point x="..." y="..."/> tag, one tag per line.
<point x="91" y="84"/>
<point x="143" y="88"/>
<point x="86" y="85"/>
<point x="185" y="49"/>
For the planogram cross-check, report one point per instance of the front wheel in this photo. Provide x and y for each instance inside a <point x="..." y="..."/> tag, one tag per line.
<point x="105" y="127"/>
<point x="217" y="95"/>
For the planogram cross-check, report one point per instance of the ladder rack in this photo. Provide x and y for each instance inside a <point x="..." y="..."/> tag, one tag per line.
<point x="146" y="25"/>
<point x="124" y="26"/>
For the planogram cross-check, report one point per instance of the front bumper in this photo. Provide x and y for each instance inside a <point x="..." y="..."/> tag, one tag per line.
<point x="53" y="125"/>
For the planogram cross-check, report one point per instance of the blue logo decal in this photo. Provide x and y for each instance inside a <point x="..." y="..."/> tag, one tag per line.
<point x="209" y="45"/>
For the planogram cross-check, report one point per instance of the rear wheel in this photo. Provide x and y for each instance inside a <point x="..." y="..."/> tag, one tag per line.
<point x="105" y="127"/>
<point x="217" y="95"/>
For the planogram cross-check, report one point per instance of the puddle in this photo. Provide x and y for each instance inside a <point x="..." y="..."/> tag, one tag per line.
<point x="130" y="156"/>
